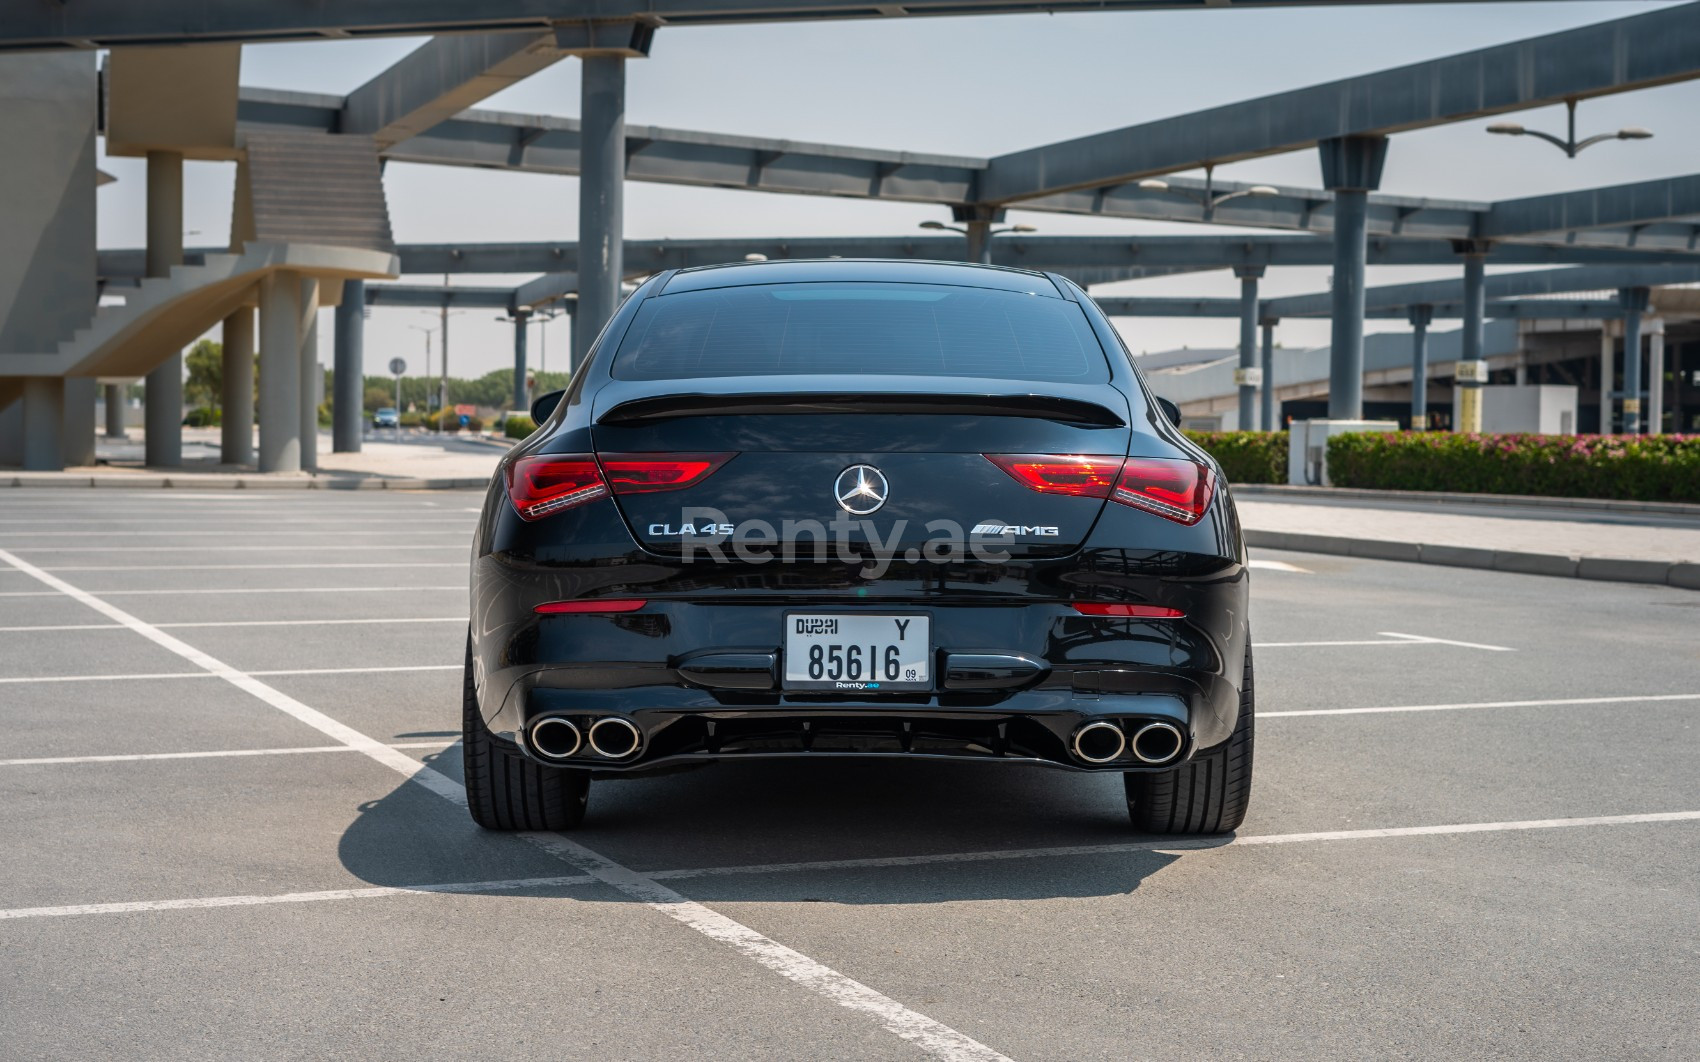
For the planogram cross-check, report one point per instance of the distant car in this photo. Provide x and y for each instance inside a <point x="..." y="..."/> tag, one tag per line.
<point x="858" y="509"/>
<point x="386" y="418"/>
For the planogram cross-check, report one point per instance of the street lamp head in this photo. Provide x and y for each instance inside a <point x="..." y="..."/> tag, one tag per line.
<point x="1634" y="132"/>
<point x="755" y="258"/>
<point x="1506" y="129"/>
<point x="1022" y="228"/>
<point x="1154" y="184"/>
<point x="1262" y="190"/>
<point x="934" y="225"/>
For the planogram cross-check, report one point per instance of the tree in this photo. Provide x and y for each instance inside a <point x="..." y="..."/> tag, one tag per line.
<point x="378" y="397"/>
<point x="205" y="386"/>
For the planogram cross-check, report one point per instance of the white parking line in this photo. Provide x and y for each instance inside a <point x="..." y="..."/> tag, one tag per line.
<point x="338" y="548"/>
<point x="1649" y="698"/>
<point x="207" y="674"/>
<point x="1277" y="566"/>
<point x="1425" y="640"/>
<point x="246" y="590"/>
<point x="1181" y="845"/>
<point x="293" y="897"/>
<point x="932" y="1036"/>
<point x="132" y="757"/>
<point x="388" y="532"/>
<point x="248" y="567"/>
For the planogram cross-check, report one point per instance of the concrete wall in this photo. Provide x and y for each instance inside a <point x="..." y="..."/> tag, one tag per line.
<point x="47" y="235"/>
<point x="48" y="110"/>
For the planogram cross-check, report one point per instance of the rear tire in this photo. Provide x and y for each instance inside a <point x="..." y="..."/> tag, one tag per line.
<point x="504" y="789"/>
<point x="1208" y="794"/>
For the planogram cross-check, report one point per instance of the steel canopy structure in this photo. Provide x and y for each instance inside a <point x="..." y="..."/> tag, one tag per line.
<point x="421" y="110"/>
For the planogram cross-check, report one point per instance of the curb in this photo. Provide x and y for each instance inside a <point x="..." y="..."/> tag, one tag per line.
<point x="255" y="482"/>
<point x="1272" y="492"/>
<point x="1681" y="574"/>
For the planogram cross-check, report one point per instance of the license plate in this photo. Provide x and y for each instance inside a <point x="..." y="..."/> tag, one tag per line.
<point x="856" y="652"/>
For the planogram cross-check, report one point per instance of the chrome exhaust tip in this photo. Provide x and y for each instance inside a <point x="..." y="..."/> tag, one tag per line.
<point x="1158" y="743"/>
<point x="554" y="738"/>
<point x="615" y="738"/>
<point x="1098" y="742"/>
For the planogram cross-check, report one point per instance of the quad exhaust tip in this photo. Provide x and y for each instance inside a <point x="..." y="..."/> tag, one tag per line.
<point x="615" y="738"/>
<point x="1099" y="742"/>
<point x="554" y="738"/>
<point x="1157" y="743"/>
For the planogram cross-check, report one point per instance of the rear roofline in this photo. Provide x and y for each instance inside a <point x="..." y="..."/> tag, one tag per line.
<point x="860" y="270"/>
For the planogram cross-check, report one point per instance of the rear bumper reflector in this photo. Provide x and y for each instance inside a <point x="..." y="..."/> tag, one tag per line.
<point x="607" y="604"/>
<point x="1095" y="608"/>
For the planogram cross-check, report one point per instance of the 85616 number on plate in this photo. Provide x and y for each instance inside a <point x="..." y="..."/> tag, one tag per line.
<point x="852" y="652"/>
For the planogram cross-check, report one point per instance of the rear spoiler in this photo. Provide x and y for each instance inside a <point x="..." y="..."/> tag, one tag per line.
<point x="1039" y="406"/>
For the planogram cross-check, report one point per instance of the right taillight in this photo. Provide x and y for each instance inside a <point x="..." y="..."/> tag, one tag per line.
<point x="1176" y="490"/>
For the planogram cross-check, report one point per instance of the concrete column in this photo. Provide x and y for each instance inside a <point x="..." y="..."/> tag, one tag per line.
<point x="601" y="196"/>
<point x="1655" y="376"/>
<point x="280" y="374"/>
<point x="115" y="404"/>
<point x="1608" y="371"/>
<point x="1420" y="318"/>
<point x="78" y="422"/>
<point x="44" y="423"/>
<point x="237" y="437"/>
<point x="1467" y="411"/>
<point x="522" y="318"/>
<point x="574" y="357"/>
<point x="979" y="241"/>
<point x="1351" y="169"/>
<point x="164" y="395"/>
<point x="162" y="414"/>
<point x="1634" y="302"/>
<point x="165" y="212"/>
<point x="311" y="375"/>
<point x="1267" y="390"/>
<point x="348" y="406"/>
<point x="1249" y="276"/>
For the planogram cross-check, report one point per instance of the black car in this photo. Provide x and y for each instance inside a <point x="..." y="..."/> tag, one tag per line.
<point x="858" y="508"/>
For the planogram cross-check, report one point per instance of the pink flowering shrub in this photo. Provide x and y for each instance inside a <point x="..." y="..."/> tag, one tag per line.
<point x="1246" y="456"/>
<point x="1629" y="467"/>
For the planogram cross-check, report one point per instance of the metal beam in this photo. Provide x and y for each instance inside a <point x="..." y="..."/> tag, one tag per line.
<point x="1523" y="309"/>
<point x="1642" y="51"/>
<point x="543" y="144"/>
<point x="1500" y="286"/>
<point x="441" y="78"/>
<point x="1639" y="204"/>
<point x="433" y="296"/>
<point x="113" y="23"/>
<point x="1099" y="259"/>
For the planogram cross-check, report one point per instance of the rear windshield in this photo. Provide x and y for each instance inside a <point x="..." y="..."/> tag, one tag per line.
<point x="860" y="328"/>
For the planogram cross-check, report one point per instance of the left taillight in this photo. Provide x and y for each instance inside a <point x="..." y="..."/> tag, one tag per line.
<point x="1176" y="490"/>
<point x="549" y="483"/>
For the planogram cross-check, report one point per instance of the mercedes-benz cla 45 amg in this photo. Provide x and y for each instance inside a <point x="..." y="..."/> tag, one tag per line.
<point x="858" y="509"/>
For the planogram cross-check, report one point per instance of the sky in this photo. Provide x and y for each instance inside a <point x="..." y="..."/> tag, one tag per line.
<point x="975" y="86"/>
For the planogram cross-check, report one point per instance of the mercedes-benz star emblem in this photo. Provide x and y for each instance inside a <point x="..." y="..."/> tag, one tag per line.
<point x="860" y="490"/>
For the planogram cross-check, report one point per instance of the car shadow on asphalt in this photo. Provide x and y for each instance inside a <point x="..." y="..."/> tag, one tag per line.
<point x="757" y="815"/>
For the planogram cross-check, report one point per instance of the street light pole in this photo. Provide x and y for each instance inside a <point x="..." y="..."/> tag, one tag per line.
<point x="1570" y="145"/>
<point x="979" y="235"/>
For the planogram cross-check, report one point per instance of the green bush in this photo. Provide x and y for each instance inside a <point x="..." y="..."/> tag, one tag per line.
<point x="203" y="417"/>
<point x="441" y="420"/>
<point x="1627" y="467"/>
<point x="410" y="419"/>
<point x="518" y="427"/>
<point x="324" y="414"/>
<point x="1247" y="456"/>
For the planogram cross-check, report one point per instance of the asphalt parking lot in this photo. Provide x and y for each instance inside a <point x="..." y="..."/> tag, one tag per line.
<point x="1475" y="832"/>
